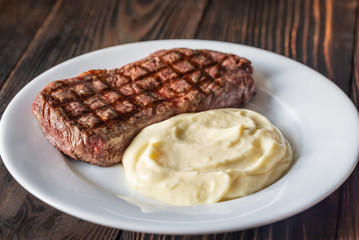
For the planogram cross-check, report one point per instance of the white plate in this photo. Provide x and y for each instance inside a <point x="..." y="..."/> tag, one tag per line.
<point x="316" y="117"/>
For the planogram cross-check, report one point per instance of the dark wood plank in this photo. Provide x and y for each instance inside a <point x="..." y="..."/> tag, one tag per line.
<point x="144" y="20"/>
<point x="355" y="70"/>
<point x="348" y="221"/>
<point x="348" y="227"/>
<point x="18" y="28"/>
<point x="33" y="219"/>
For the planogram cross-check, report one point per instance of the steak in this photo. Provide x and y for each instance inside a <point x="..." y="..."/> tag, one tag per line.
<point x="94" y="117"/>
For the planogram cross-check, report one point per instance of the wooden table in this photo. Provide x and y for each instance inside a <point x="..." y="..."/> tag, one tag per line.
<point x="36" y="35"/>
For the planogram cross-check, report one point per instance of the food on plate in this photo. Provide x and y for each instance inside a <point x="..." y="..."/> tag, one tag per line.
<point x="94" y="117"/>
<point x="206" y="157"/>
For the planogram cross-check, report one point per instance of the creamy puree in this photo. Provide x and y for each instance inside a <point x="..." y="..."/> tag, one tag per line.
<point x="206" y="157"/>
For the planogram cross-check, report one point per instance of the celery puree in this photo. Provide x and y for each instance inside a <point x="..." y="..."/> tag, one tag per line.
<point x="206" y="157"/>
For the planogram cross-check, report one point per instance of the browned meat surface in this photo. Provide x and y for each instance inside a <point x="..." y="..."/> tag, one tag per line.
<point x="94" y="116"/>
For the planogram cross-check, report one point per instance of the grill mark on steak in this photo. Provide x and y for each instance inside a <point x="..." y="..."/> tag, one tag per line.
<point x="112" y="105"/>
<point x="181" y="57"/>
<point x="100" y="111"/>
<point x="204" y="73"/>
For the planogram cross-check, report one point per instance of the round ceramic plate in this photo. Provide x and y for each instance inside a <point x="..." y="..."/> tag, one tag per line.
<point x="317" y="118"/>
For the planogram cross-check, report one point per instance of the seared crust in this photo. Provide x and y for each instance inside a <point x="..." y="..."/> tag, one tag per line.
<point x="94" y="116"/>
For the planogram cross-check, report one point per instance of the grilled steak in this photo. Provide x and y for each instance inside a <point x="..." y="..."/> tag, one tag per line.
<point x="93" y="117"/>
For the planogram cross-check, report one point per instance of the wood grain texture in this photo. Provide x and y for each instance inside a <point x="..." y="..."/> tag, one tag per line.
<point x="36" y="35"/>
<point x="147" y="20"/>
<point x="348" y="220"/>
<point x="355" y="64"/>
<point x="17" y="29"/>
